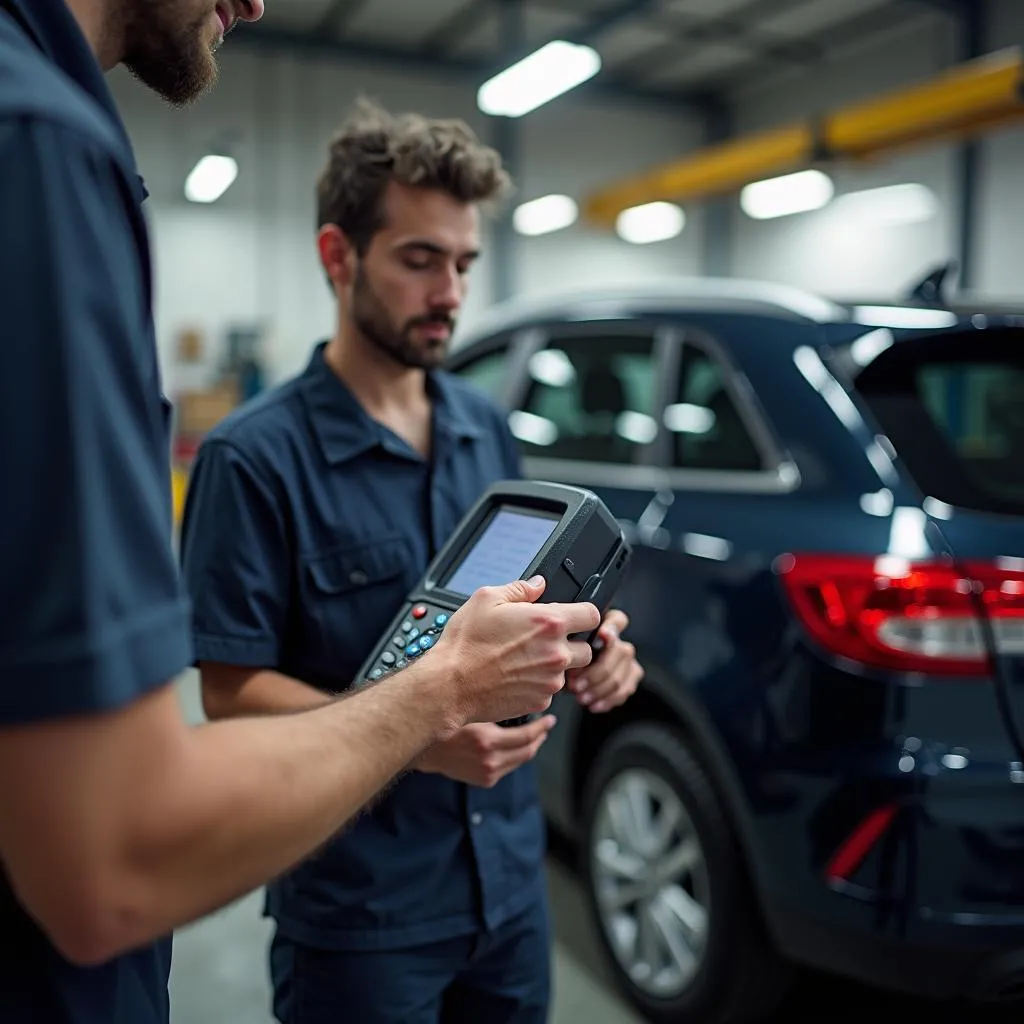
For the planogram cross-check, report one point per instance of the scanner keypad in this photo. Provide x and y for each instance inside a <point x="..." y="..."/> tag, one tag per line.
<point x="419" y="631"/>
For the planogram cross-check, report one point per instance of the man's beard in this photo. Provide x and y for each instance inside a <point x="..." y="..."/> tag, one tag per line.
<point x="171" y="57"/>
<point x="373" y="322"/>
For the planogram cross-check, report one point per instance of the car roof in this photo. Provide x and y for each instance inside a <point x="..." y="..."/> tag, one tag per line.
<point x="664" y="296"/>
<point x="678" y="296"/>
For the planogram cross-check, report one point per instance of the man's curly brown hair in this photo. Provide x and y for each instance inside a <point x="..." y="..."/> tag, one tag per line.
<point x="374" y="147"/>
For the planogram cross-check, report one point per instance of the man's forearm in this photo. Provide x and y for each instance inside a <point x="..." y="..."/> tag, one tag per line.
<point x="230" y="692"/>
<point x="253" y="796"/>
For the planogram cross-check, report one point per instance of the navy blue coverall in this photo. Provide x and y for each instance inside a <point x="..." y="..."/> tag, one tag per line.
<point x="306" y="524"/>
<point x="92" y="615"/>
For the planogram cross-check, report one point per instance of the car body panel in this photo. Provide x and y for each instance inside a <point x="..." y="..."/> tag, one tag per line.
<point x="802" y="746"/>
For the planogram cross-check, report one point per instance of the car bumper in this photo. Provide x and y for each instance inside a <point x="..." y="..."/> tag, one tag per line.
<point x="912" y="876"/>
<point x="943" y="970"/>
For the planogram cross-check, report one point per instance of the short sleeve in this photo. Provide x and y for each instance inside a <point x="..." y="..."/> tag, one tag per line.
<point x="92" y="614"/>
<point x="235" y="559"/>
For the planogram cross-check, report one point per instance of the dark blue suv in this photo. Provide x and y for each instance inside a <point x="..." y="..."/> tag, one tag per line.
<point x="824" y="764"/>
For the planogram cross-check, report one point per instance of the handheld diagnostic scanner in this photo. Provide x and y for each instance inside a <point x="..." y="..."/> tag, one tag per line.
<point x="518" y="529"/>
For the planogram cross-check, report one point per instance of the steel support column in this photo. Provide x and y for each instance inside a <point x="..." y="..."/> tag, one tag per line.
<point x="505" y="138"/>
<point x="973" y="29"/>
<point x="719" y="215"/>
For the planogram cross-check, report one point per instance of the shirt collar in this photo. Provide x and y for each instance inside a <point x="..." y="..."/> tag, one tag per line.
<point x="343" y="427"/>
<point x="52" y="27"/>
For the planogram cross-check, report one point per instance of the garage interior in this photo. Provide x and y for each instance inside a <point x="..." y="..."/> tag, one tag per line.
<point x="848" y="150"/>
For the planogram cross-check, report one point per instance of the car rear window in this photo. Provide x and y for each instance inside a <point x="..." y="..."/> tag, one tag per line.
<point x="953" y="407"/>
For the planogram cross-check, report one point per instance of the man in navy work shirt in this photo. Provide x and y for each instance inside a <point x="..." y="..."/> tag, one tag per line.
<point x="311" y="512"/>
<point x="117" y="821"/>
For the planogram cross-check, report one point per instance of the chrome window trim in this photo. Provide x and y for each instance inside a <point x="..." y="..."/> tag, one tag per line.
<point x="784" y="479"/>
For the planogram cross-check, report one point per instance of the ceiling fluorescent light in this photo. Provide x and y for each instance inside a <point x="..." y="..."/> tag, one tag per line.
<point x="652" y="222"/>
<point x="543" y="215"/>
<point x="890" y="205"/>
<point x="210" y="179"/>
<point x="555" y="68"/>
<point x="786" y="195"/>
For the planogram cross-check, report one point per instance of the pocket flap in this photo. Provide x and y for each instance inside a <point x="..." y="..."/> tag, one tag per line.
<point x="339" y="572"/>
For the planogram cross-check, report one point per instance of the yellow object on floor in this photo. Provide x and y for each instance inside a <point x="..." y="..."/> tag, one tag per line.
<point x="179" y="484"/>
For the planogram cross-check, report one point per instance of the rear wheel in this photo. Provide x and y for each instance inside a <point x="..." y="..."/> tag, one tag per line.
<point x="667" y="888"/>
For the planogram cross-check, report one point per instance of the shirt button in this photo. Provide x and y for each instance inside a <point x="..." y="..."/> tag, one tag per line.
<point x="476" y="818"/>
<point x="358" y="577"/>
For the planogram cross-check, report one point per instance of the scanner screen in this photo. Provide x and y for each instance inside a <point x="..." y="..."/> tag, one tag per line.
<point x="502" y="552"/>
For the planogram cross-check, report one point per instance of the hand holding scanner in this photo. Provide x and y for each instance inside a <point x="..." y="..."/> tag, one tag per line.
<point x="516" y="530"/>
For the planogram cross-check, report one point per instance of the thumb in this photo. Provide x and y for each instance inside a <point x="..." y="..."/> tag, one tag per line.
<point x="523" y="590"/>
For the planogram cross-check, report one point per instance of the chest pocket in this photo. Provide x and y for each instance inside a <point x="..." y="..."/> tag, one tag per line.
<point x="351" y="596"/>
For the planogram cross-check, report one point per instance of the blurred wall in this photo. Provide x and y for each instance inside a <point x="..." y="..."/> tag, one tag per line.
<point x="251" y="256"/>
<point x="1001" y="179"/>
<point x="831" y="252"/>
<point x="825" y="250"/>
<point x="250" y="259"/>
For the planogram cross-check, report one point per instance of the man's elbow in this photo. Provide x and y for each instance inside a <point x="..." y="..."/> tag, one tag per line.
<point x="91" y="923"/>
<point x="220" y="689"/>
<point x="214" y="704"/>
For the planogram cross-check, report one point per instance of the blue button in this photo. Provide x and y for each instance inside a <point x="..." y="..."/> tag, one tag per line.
<point x="412" y="651"/>
<point x="441" y="620"/>
<point x="426" y="642"/>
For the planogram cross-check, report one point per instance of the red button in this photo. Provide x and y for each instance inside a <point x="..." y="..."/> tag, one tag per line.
<point x="419" y="611"/>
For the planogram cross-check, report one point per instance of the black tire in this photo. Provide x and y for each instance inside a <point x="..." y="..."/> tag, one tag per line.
<point x="739" y="977"/>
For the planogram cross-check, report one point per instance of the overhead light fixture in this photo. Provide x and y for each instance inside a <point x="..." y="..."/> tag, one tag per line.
<point x="210" y="179"/>
<point x="544" y="215"/>
<point x="554" y="69"/>
<point x="652" y="222"/>
<point x="890" y="205"/>
<point x="791" y="193"/>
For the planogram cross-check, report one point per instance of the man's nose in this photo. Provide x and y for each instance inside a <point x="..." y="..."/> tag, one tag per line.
<point x="251" y="10"/>
<point x="448" y="294"/>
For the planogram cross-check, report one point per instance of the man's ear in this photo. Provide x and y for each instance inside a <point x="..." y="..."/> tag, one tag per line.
<point x="337" y="255"/>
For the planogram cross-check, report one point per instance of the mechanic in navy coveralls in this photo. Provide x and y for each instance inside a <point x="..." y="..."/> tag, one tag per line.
<point x="312" y="511"/>
<point x="119" y="821"/>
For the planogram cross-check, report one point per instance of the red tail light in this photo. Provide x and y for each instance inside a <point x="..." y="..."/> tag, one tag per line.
<point x="892" y="613"/>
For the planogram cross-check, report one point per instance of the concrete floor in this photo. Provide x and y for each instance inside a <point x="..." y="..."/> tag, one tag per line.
<point x="220" y="977"/>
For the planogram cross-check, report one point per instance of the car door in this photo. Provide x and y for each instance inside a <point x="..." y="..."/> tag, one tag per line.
<point x="585" y="402"/>
<point x="724" y="520"/>
<point x="587" y="412"/>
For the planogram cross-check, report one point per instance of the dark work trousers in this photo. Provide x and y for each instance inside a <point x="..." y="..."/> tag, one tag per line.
<point x="500" y="977"/>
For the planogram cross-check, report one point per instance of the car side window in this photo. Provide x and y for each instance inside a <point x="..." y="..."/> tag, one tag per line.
<point x="488" y="371"/>
<point x="705" y="421"/>
<point x="589" y="398"/>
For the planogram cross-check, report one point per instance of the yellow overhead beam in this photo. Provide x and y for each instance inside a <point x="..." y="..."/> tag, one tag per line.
<point x="968" y="100"/>
<point x="717" y="169"/>
<point x="952" y="102"/>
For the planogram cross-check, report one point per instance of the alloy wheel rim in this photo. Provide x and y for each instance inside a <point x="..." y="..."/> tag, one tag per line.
<point x="650" y="883"/>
